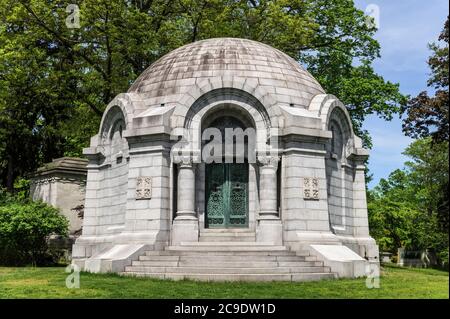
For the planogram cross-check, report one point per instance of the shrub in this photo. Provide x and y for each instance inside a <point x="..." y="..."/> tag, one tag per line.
<point x="24" y="228"/>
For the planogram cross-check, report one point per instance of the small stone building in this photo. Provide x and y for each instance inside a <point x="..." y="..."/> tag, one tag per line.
<point x="293" y="207"/>
<point x="62" y="184"/>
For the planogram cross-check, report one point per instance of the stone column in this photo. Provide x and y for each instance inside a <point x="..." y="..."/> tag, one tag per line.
<point x="268" y="187"/>
<point x="269" y="227"/>
<point x="185" y="224"/>
<point x="186" y="191"/>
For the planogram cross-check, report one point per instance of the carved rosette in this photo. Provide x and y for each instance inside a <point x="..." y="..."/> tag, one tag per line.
<point x="144" y="188"/>
<point x="311" y="188"/>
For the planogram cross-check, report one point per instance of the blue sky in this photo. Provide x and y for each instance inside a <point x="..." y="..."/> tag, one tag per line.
<point x="405" y="29"/>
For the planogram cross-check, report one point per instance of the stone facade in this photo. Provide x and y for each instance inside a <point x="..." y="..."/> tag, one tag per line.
<point x="149" y="191"/>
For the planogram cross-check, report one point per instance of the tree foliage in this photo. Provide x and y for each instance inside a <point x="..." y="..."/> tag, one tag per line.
<point x="56" y="81"/>
<point x="410" y="208"/>
<point x="24" y="229"/>
<point x="425" y="115"/>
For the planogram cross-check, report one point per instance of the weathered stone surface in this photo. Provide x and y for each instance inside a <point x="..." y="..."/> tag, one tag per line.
<point x="227" y="58"/>
<point x="306" y="186"/>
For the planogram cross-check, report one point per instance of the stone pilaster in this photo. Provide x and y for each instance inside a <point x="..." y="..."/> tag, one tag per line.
<point x="366" y="245"/>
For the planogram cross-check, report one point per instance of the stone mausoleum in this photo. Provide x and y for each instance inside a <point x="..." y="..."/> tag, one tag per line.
<point x="293" y="207"/>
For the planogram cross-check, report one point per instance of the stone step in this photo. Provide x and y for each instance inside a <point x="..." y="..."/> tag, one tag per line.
<point x="257" y="252"/>
<point x="229" y="234"/>
<point x="236" y="277"/>
<point x="227" y="238"/>
<point x="228" y="264"/>
<point x="224" y="270"/>
<point x="212" y="258"/>
<point x="309" y="258"/>
<point x="225" y="230"/>
<point x="160" y="257"/>
<point x="212" y="249"/>
<point x="227" y="244"/>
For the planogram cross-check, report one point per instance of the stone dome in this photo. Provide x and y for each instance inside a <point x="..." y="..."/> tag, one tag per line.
<point x="175" y="74"/>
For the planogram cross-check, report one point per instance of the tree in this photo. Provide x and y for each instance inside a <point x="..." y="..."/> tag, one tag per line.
<point x="425" y="115"/>
<point x="410" y="208"/>
<point x="429" y="178"/>
<point x="56" y="81"/>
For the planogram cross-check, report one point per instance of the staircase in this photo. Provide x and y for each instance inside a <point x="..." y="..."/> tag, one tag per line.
<point x="224" y="255"/>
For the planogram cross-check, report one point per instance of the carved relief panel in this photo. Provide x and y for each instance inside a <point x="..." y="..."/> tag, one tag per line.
<point x="311" y="188"/>
<point x="144" y="188"/>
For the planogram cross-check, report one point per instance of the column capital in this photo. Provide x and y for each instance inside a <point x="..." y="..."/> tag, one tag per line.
<point x="269" y="160"/>
<point x="184" y="161"/>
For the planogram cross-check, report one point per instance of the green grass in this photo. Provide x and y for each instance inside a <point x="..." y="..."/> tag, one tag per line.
<point x="395" y="282"/>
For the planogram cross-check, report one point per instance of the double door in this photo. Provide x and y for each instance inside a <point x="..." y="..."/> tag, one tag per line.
<point x="226" y="195"/>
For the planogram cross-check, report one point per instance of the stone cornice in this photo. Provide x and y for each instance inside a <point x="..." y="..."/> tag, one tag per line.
<point x="70" y="166"/>
<point x="47" y="179"/>
<point x="307" y="151"/>
<point x="306" y="133"/>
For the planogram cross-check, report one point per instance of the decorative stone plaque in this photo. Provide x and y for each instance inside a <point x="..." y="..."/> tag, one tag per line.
<point x="311" y="188"/>
<point x="144" y="188"/>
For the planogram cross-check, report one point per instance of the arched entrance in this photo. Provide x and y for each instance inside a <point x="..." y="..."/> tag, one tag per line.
<point x="227" y="176"/>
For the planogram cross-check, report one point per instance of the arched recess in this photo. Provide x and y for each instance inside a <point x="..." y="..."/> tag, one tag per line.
<point x="339" y="171"/>
<point x="242" y="106"/>
<point x="229" y="88"/>
<point x="231" y="95"/>
<point x="112" y="178"/>
<point x="114" y="123"/>
<point x="120" y="107"/>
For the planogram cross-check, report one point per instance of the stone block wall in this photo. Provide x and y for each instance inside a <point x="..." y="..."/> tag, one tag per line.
<point x="110" y="202"/>
<point x="148" y="215"/>
<point x="300" y="213"/>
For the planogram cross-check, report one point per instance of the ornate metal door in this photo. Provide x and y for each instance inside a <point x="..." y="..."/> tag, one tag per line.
<point x="226" y="195"/>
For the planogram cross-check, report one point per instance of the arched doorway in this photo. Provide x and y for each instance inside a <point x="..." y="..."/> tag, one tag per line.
<point x="227" y="176"/>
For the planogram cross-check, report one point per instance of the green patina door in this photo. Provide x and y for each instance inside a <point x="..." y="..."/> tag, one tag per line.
<point x="226" y="195"/>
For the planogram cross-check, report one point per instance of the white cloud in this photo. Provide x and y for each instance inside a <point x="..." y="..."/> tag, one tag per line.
<point x="406" y="28"/>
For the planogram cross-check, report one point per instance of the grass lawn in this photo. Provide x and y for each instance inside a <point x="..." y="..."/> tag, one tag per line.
<point x="395" y="282"/>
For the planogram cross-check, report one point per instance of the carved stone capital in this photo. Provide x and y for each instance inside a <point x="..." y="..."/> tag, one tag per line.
<point x="184" y="160"/>
<point x="269" y="160"/>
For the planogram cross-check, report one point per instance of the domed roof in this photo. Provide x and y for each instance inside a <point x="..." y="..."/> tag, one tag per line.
<point x="178" y="71"/>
